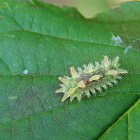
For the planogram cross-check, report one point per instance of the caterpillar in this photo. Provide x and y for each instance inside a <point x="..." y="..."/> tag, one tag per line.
<point x="91" y="79"/>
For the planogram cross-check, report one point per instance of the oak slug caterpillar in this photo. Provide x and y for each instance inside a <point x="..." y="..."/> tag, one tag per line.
<point x="91" y="79"/>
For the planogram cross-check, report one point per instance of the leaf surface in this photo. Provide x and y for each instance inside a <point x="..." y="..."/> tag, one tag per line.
<point x="46" y="40"/>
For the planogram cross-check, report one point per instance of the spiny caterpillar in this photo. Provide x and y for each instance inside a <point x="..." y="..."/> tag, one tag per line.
<point x="90" y="79"/>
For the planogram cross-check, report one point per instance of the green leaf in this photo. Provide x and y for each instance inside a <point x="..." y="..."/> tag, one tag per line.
<point x="47" y="40"/>
<point x="127" y="123"/>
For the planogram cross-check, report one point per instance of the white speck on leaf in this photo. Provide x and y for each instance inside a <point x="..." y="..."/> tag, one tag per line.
<point x="117" y="40"/>
<point x="127" y="48"/>
<point x="25" y="71"/>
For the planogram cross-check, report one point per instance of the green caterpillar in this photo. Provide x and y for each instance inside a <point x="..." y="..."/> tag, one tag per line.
<point x="91" y="79"/>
